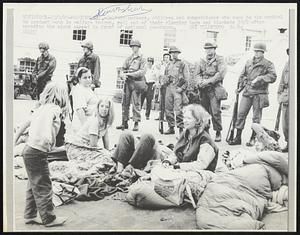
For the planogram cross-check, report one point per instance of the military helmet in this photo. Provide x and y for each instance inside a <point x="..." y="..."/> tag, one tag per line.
<point x="135" y="43"/>
<point x="44" y="45"/>
<point x="260" y="46"/>
<point x="174" y="49"/>
<point x="208" y="45"/>
<point x="88" y="44"/>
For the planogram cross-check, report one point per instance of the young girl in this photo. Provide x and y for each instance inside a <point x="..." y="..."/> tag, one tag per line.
<point x="83" y="144"/>
<point x="44" y="125"/>
<point x="84" y="99"/>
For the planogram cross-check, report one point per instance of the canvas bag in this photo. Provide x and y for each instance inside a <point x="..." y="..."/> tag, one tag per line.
<point x="169" y="183"/>
<point x="221" y="93"/>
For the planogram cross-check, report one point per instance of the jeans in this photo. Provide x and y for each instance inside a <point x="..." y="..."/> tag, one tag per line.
<point x="126" y="152"/>
<point x="39" y="187"/>
<point x="148" y="95"/>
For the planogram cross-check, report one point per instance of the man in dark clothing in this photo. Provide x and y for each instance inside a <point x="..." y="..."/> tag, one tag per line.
<point x="209" y="75"/>
<point x="91" y="61"/>
<point x="135" y="84"/>
<point x="255" y="78"/>
<point x="44" y="68"/>
<point x="176" y="79"/>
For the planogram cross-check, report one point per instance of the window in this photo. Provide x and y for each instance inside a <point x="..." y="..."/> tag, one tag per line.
<point x="120" y="82"/>
<point x="212" y="35"/>
<point x="125" y="37"/>
<point x="73" y="68"/>
<point x="79" y="35"/>
<point x="27" y="64"/>
<point x="248" y="43"/>
<point x="169" y="38"/>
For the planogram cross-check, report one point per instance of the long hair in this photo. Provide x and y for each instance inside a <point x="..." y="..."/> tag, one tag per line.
<point x="200" y="114"/>
<point x="109" y="119"/>
<point x="54" y="93"/>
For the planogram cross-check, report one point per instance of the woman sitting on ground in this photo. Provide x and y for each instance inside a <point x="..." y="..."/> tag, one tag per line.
<point x="84" y="99"/>
<point x="195" y="150"/>
<point x="83" y="144"/>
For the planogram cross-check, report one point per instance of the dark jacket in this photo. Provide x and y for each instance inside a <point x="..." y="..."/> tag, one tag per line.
<point x="44" y="67"/>
<point x="91" y="62"/>
<point x="211" y="70"/>
<point x="136" y="66"/>
<point x="264" y="70"/>
<point x="192" y="153"/>
<point x="177" y="73"/>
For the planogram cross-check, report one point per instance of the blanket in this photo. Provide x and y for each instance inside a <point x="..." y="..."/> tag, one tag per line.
<point x="236" y="200"/>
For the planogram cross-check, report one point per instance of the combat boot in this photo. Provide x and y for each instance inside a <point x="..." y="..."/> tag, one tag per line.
<point x="171" y="131"/>
<point x="238" y="138"/>
<point x="123" y="126"/>
<point x="180" y="130"/>
<point x="252" y="140"/>
<point x="218" y="136"/>
<point x="136" y="126"/>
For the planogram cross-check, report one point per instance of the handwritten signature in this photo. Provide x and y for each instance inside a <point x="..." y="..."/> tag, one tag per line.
<point x="119" y="11"/>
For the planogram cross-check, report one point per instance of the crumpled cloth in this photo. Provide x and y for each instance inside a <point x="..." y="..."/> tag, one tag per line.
<point x="279" y="200"/>
<point x="63" y="193"/>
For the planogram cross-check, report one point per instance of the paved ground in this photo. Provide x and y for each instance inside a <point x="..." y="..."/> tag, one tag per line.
<point x="109" y="214"/>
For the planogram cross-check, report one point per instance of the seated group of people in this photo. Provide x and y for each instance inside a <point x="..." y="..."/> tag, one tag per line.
<point x="195" y="151"/>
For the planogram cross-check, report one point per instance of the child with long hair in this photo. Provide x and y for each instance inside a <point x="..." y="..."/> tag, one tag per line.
<point x="82" y="146"/>
<point x="44" y="125"/>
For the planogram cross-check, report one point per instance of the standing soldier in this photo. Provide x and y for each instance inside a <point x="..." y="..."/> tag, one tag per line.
<point x="134" y="75"/>
<point x="44" y="68"/>
<point x="209" y="75"/>
<point x="255" y="78"/>
<point x="91" y="61"/>
<point x="177" y="75"/>
<point x="283" y="99"/>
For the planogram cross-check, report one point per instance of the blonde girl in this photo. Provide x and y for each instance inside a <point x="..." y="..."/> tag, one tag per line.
<point x="43" y="126"/>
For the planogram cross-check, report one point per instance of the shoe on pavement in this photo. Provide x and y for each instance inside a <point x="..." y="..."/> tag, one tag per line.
<point x="236" y="141"/>
<point x="218" y="136"/>
<point x="136" y="126"/>
<point x="34" y="220"/>
<point x="59" y="221"/>
<point x="122" y="127"/>
<point x="250" y="143"/>
<point x="147" y="118"/>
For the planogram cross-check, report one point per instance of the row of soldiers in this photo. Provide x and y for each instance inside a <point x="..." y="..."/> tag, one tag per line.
<point x="254" y="80"/>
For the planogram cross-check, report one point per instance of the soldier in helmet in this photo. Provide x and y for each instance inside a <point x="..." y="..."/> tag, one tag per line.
<point x="209" y="75"/>
<point x="135" y="84"/>
<point x="283" y="99"/>
<point x="254" y="80"/>
<point x="176" y="78"/>
<point x="44" y="68"/>
<point x="91" y="61"/>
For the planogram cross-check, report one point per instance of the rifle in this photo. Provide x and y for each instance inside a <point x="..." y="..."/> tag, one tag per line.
<point x="230" y="133"/>
<point x="278" y="117"/>
<point x="69" y="85"/>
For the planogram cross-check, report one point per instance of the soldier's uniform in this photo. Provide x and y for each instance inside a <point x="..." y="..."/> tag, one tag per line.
<point x="212" y="71"/>
<point x="92" y="62"/>
<point x="283" y="98"/>
<point x="134" y="85"/>
<point x="176" y="75"/>
<point x="256" y="94"/>
<point x="43" y="70"/>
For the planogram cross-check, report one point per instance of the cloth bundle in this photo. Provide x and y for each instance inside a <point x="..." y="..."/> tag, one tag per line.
<point x="279" y="200"/>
